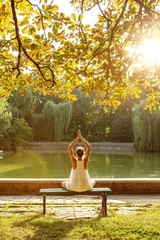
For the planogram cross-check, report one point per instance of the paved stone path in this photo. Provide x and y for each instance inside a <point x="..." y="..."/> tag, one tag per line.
<point x="72" y="207"/>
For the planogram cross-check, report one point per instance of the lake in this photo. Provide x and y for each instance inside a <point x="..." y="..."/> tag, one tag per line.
<point x="43" y="162"/>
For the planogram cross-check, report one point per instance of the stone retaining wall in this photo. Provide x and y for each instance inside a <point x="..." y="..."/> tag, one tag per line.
<point x="107" y="146"/>
<point x="118" y="186"/>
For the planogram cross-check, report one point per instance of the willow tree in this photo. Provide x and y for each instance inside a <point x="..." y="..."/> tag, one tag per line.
<point x="65" y="52"/>
<point x="146" y="127"/>
<point x="62" y="120"/>
<point x="21" y="106"/>
<point x="5" y="118"/>
<point x="53" y="122"/>
<point x="49" y="124"/>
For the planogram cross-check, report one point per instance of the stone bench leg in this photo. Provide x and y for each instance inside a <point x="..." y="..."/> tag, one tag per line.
<point x="104" y="204"/>
<point x="44" y="204"/>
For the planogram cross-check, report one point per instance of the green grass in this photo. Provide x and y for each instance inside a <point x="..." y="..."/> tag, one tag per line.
<point x="145" y="224"/>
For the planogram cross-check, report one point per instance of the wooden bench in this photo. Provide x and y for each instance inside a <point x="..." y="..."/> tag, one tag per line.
<point x="63" y="192"/>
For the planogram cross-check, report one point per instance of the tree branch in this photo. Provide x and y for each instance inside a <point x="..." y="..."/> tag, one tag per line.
<point x="88" y="9"/>
<point x="20" y="47"/>
<point x="7" y="70"/>
<point x="148" y="10"/>
<point x="17" y="35"/>
<point x="39" y="68"/>
<point x="112" y="36"/>
<point x="7" y="43"/>
<point x="110" y="39"/>
<point x="82" y="6"/>
<point x="35" y="5"/>
<point x="108" y="20"/>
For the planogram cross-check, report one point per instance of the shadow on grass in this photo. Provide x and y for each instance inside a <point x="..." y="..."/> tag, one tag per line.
<point x="48" y="228"/>
<point x="144" y="225"/>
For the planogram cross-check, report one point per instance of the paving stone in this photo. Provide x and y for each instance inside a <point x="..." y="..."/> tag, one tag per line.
<point x="70" y="207"/>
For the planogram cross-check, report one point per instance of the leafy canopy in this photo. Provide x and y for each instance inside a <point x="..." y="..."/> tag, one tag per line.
<point x="43" y="49"/>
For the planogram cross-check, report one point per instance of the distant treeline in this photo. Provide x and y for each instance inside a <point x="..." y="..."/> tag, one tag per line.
<point x="35" y="117"/>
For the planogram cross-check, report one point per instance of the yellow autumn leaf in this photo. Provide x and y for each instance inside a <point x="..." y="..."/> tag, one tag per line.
<point x="73" y="16"/>
<point x="115" y="104"/>
<point x="118" y="2"/>
<point x="71" y="97"/>
<point x="87" y="93"/>
<point x="113" y="6"/>
<point x="94" y="102"/>
<point x="87" y="27"/>
<point x="136" y="94"/>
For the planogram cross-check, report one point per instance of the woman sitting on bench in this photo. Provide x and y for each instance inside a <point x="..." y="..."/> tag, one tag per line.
<point x="79" y="180"/>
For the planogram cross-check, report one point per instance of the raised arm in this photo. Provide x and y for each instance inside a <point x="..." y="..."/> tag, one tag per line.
<point x="88" y="152"/>
<point x="71" y="153"/>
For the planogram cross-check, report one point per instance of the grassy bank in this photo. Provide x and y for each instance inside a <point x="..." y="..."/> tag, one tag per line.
<point x="144" y="224"/>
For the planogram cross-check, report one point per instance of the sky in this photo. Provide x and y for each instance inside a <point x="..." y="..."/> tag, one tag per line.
<point x="89" y="17"/>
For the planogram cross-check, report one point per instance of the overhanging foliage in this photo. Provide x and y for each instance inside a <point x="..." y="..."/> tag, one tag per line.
<point x="43" y="49"/>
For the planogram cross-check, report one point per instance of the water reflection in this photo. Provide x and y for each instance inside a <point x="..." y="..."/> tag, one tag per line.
<point x="43" y="163"/>
<point x="111" y="166"/>
<point x="147" y="164"/>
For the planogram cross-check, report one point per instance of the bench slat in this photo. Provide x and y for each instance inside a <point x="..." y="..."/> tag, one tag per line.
<point x="62" y="191"/>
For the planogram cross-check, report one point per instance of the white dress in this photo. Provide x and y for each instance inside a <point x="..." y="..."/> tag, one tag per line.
<point x="79" y="179"/>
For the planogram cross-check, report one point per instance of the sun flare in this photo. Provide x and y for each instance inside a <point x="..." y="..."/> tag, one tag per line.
<point x="150" y="51"/>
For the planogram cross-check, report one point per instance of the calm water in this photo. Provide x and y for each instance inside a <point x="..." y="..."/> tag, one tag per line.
<point x="43" y="163"/>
